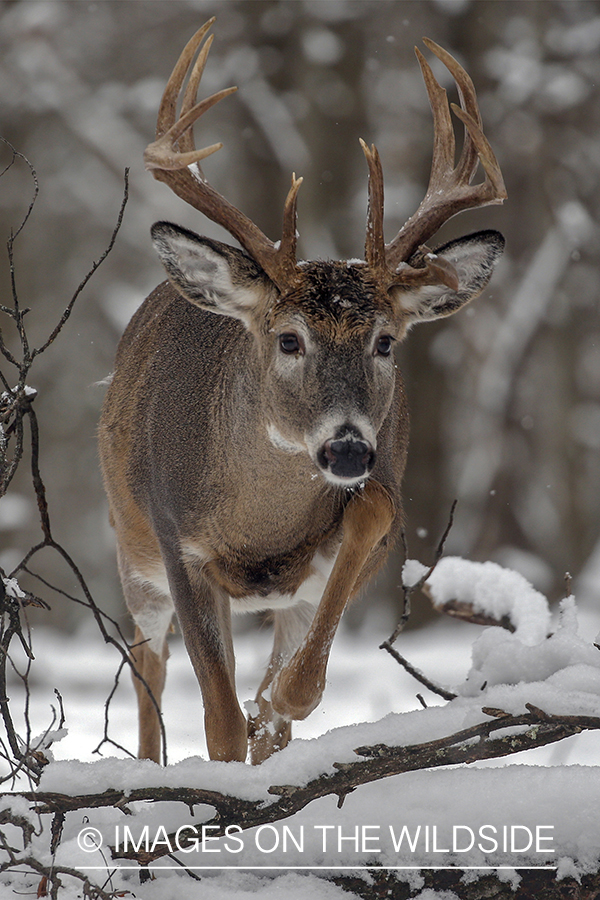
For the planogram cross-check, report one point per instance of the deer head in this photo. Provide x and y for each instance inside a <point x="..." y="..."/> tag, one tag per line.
<point x="324" y="331"/>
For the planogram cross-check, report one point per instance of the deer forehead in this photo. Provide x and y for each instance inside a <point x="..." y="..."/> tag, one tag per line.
<point x="335" y="300"/>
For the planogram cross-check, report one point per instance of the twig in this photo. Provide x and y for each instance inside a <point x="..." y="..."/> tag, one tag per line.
<point x="56" y="331"/>
<point x="11" y="626"/>
<point x="14" y="407"/>
<point x="106" y="739"/>
<point x="409" y="589"/>
<point x="418" y="675"/>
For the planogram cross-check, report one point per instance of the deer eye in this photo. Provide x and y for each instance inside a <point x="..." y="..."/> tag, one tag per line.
<point x="383" y="347"/>
<point x="289" y="343"/>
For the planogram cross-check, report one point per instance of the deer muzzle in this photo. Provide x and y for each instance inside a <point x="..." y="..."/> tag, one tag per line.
<point x="347" y="455"/>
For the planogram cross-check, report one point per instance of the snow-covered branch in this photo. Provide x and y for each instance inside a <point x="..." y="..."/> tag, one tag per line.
<point x="535" y="728"/>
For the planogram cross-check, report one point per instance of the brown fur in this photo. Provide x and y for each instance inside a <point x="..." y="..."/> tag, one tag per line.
<point x="208" y="504"/>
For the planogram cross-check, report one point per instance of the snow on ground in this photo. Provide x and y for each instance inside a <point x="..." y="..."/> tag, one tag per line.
<point x="537" y="808"/>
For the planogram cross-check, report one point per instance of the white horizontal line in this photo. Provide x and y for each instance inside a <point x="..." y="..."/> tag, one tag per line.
<point x="331" y="868"/>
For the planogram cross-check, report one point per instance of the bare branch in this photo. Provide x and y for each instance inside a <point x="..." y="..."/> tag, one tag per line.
<point x="17" y="155"/>
<point x="56" y="331"/>
<point x="409" y="589"/>
<point x="417" y="674"/>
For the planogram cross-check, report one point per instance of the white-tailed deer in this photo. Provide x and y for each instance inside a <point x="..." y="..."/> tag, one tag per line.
<point x="253" y="438"/>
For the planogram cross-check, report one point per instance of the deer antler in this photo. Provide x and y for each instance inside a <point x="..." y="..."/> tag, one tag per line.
<point x="450" y="190"/>
<point x="173" y="158"/>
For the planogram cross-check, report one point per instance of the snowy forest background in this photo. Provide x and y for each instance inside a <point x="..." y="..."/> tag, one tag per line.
<point x="505" y="398"/>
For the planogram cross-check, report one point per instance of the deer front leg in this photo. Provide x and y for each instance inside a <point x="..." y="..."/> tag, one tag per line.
<point x="267" y="730"/>
<point x="298" y="688"/>
<point x="204" y="616"/>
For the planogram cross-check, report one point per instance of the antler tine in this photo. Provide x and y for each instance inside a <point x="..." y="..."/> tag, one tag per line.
<point x="374" y="241"/>
<point x="467" y="165"/>
<point x="172" y="158"/>
<point x="170" y="130"/>
<point x="442" y="160"/>
<point x="450" y="190"/>
<point x="189" y="98"/>
<point x="161" y="154"/>
<point x="483" y="152"/>
<point x="289" y="234"/>
<point x="168" y="104"/>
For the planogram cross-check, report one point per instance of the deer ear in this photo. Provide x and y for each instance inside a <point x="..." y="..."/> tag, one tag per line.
<point x="474" y="258"/>
<point x="212" y="275"/>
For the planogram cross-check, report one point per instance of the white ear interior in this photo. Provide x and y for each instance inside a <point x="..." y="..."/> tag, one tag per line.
<point x="474" y="258"/>
<point x="199" y="265"/>
<point x="471" y="261"/>
<point x="204" y="275"/>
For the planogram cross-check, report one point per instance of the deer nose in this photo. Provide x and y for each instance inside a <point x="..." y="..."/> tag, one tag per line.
<point x="347" y="455"/>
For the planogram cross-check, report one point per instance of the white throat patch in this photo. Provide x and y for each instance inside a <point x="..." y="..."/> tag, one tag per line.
<point x="278" y="440"/>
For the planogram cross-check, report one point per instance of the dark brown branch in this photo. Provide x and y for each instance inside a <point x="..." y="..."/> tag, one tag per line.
<point x="63" y="319"/>
<point x="17" y="155"/>
<point x="52" y="873"/>
<point x="105" y="738"/>
<point x="15" y="406"/>
<point x="409" y="589"/>
<point x="418" y="675"/>
<point x="459" y="609"/>
<point x="19" y="406"/>
<point x="11" y="423"/>
<point x="11" y="626"/>
<point x="121" y="645"/>
<point x="539" y="883"/>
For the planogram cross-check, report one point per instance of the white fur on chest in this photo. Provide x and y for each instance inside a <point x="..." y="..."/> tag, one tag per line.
<point x="310" y="590"/>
